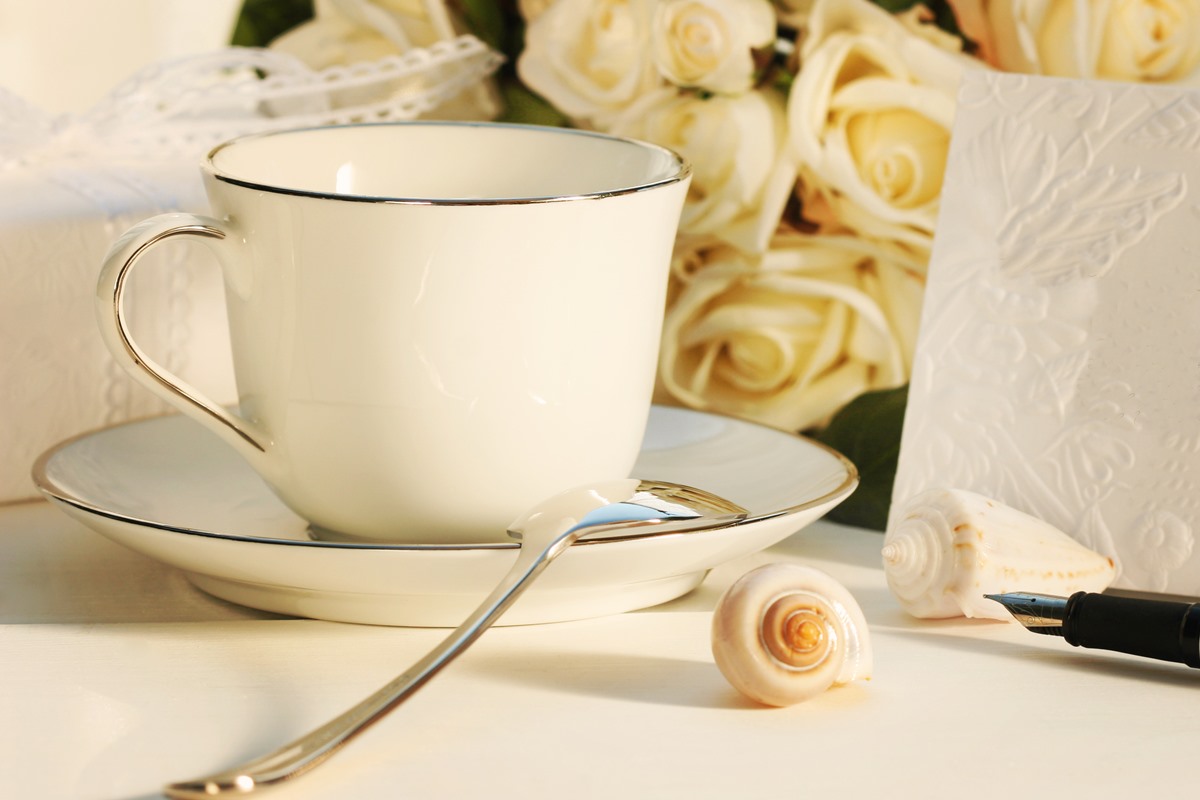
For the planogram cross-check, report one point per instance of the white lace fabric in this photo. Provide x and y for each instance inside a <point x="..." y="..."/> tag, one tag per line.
<point x="186" y="106"/>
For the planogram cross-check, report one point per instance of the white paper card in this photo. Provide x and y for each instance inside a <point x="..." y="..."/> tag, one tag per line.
<point x="1058" y="365"/>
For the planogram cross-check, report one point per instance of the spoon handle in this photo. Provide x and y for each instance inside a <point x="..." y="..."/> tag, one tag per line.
<point x="311" y="749"/>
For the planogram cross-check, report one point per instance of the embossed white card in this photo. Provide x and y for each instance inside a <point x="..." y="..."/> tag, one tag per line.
<point x="1058" y="365"/>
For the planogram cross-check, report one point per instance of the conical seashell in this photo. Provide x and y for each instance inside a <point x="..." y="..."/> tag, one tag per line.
<point x="783" y="633"/>
<point x="950" y="547"/>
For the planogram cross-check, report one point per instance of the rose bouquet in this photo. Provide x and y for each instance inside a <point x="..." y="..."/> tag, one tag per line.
<point x="799" y="267"/>
<point x="818" y="131"/>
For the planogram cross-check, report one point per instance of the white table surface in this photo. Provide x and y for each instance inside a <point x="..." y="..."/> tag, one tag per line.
<point x="117" y="676"/>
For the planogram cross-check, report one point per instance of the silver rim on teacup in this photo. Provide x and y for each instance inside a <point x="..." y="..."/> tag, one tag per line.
<point x="683" y="167"/>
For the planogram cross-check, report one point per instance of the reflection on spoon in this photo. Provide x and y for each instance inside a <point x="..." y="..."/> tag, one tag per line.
<point x="620" y="509"/>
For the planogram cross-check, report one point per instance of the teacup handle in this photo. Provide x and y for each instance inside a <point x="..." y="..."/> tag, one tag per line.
<point x="242" y="435"/>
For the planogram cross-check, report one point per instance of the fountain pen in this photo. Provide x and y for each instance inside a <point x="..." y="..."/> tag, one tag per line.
<point x="1168" y="631"/>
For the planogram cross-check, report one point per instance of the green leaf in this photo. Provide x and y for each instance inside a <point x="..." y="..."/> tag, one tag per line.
<point x="896" y="5"/>
<point x="262" y="21"/>
<point x="486" y="20"/>
<point x="867" y="431"/>
<point x="522" y="105"/>
<point x="943" y="14"/>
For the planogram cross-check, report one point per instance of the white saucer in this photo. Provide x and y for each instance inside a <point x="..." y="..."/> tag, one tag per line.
<point x="169" y="489"/>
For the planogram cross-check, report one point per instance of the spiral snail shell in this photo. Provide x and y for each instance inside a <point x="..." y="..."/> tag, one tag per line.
<point x="783" y="633"/>
<point x="949" y="547"/>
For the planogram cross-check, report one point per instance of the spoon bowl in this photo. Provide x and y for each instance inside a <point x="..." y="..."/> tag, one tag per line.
<point x="624" y="508"/>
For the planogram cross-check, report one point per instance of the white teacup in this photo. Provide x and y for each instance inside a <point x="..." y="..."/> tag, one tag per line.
<point x="434" y="325"/>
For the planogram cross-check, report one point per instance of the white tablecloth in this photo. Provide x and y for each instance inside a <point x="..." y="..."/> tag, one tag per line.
<point x="117" y="676"/>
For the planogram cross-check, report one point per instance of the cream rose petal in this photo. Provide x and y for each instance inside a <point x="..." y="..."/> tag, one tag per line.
<point x="869" y="119"/>
<point x="827" y="383"/>
<point x="900" y="270"/>
<point x="893" y="156"/>
<point x="590" y="58"/>
<point x="871" y="332"/>
<point x="756" y="357"/>
<point x="1134" y="40"/>
<point x="708" y="43"/>
<point x="684" y="375"/>
<point x="901" y="295"/>
<point x="864" y="19"/>
<point x="823" y="398"/>
<point x="742" y="171"/>
<point x="1150" y="41"/>
<point x="786" y="340"/>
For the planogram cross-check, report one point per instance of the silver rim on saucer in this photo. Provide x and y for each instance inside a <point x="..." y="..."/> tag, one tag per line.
<point x="213" y="518"/>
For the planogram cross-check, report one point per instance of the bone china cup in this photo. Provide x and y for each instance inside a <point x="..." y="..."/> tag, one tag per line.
<point x="434" y="325"/>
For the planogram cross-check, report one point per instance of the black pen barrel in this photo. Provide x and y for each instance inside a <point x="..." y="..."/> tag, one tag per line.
<point x="1167" y="631"/>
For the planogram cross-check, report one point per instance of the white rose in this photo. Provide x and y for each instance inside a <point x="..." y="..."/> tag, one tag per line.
<point x="742" y="174"/>
<point x="790" y="339"/>
<point x="590" y="58"/>
<point x="870" y="115"/>
<point x="708" y="44"/>
<point x="1132" y="40"/>
<point x="691" y="254"/>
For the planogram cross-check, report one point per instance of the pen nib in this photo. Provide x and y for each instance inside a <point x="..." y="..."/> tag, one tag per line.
<point x="1040" y="613"/>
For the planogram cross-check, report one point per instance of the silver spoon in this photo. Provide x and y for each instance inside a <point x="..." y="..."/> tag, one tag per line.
<point x="622" y="509"/>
